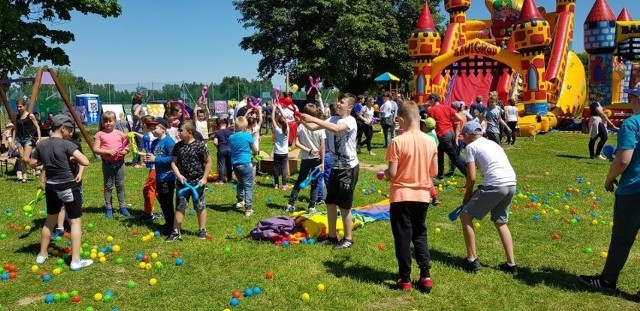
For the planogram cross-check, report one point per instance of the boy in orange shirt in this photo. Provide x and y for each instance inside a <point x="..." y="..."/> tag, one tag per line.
<point x="413" y="161"/>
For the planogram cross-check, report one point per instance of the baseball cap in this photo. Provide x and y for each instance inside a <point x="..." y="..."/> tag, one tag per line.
<point x="634" y="91"/>
<point x="62" y="120"/>
<point x="472" y="127"/>
<point x="457" y="104"/>
<point x="435" y="97"/>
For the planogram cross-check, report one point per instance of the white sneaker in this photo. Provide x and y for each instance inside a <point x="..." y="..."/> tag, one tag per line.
<point x="601" y="157"/>
<point x="312" y="210"/>
<point x="82" y="263"/>
<point x="248" y="212"/>
<point x="240" y="204"/>
<point x="291" y="208"/>
<point x="41" y="259"/>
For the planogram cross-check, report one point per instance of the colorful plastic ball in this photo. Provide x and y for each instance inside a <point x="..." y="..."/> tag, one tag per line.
<point x="46" y="278"/>
<point x="156" y="233"/>
<point x="248" y="292"/>
<point x="320" y="287"/>
<point x="268" y="275"/>
<point x="57" y="297"/>
<point x="90" y="226"/>
<point x="103" y="259"/>
<point x="48" y="298"/>
<point x="209" y="236"/>
<point x="134" y="231"/>
<point x="285" y="243"/>
<point x="305" y="297"/>
<point x="227" y="250"/>
<point x="97" y="297"/>
<point x="89" y="309"/>
<point x="154" y="255"/>
<point x="236" y="294"/>
<point x="555" y="236"/>
<point x="257" y="290"/>
<point x="476" y="225"/>
<point x="381" y="246"/>
<point x="73" y="293"/>
<point x="119" y="261"/>
<point x="64" y="296"/>
<point x="438" y="230"/>
<point x="175" y="254"/>
<point x="139" y="256"/>
<point x="311" y="241"/>
<point x="131" y="284"/>
<point x="3" y="236"/>
<point x="141" y="265"/>
<point x="603" y="255"/>
<point x="179" y="262"/>
<point x="107" y="298"/>
<point x="239" y="230"/>
<point x="153" y="281"/>
<point x="56" y="271"/>
<point x="35" y="268"/>
<point x="234" y="302"/>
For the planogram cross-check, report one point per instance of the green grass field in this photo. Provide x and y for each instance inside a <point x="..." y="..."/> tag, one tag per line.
<point x="360" y="278"/>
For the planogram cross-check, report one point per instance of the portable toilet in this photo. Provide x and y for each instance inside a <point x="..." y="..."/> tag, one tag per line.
<point x="88" y="108"/>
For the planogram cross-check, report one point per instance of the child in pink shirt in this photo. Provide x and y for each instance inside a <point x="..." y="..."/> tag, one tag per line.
<point x="110" y="145"/>
<point x="413" y="161"/>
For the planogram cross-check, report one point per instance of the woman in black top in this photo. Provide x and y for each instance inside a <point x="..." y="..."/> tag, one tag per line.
<point x="25" y="137"/>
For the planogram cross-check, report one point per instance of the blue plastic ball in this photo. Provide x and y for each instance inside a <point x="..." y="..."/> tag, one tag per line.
<point x="536" y="218"/>
<point x="257" y="290"/>
<point x="109" y="293"/>
<point x="311" y="241"/>
<point x="109" y="248"/>
<point x="248" y="292"/>
<point x="179" y="262"/>
<point x="46" y="278"/>
<point x="8" y="210"/>
<point x="156" y="233"/>
<point x="48" y="298"/>
<point x="285" y="243"/>
<point x="234" y="302"/>
<point x="139" y="256"/>
<point x="239" y="230"/>
<point x="304" y="241"/>
<point x="102" y="250"/>
<point x="5" y="276"/>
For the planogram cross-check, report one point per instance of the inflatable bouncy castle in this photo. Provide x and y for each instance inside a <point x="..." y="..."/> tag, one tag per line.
<point x="521" y="52"/>
<point x="613" y="45"/>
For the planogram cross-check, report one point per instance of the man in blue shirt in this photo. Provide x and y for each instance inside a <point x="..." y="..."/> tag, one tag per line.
<point x="626" y="213"/>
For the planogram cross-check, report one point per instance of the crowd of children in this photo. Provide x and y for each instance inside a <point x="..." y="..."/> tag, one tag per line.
<point x="179" y="168"/>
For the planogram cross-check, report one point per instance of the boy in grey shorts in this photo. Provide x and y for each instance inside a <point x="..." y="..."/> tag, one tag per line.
<point x="494" y="196"/>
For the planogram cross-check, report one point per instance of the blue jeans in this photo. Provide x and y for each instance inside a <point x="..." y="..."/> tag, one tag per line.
<point x="244" y="188"/>
<point x="324" y="178"/>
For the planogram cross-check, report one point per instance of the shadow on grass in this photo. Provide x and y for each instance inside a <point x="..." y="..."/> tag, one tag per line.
<point x="345" y="267"/>
<point x="225" y="208"/>
<point x="446" y="258"/>
<point x="573" y="156"/>
<point x="553" y="277"/>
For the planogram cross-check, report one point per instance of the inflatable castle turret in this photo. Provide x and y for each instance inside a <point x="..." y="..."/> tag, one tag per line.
<point x="424" y="45"/>
<point x="613" y="45"/>
<point x="600" y="43"/>
<point x="457" y="10"/>
<point x="531" y="35"/>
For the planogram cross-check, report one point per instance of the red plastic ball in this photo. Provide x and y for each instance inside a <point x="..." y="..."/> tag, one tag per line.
<point x="236" y="294"/>
<point x="269" y="275"/>
<point x="75" y="299"/>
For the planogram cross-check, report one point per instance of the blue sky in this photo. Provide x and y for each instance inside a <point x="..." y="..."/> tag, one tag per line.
<point x="169" y="41"/>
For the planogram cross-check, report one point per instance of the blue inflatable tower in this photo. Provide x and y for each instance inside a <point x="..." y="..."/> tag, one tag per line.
<point x="600" y="43"/>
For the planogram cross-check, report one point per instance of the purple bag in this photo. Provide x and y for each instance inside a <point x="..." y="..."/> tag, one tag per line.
<point x="272" y="228"/>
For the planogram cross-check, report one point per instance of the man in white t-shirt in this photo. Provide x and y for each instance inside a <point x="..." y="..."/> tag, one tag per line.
<point x="494" y="196"/>
<point x="341" y="131"/>
<point x="239" y="105"/>
<point x="388" y="112"/>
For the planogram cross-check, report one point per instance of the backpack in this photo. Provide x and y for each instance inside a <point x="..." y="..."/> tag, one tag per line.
<point x="273" y="228"/>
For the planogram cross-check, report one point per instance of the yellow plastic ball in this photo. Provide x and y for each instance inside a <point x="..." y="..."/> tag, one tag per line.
<point x="154" y="255"/>
<point x="27" y="228"/>
<point x="305" y="297"/>
<point x="594" y="221"/>
<point x="103" y="259"/>
<point x="141" y="265"/>
<point x="100" y="254"/>
<point x="35" y="268"/>
<point x="438" y="230"/>
<point x="116" y="248"/>
<point x="153" y="281"/>
<point x="148" y="266"/>
<point x="97" y="297"/>
<point x="477" y="225"/>
<point x="320" y="287"/>
<point x="93" y="255"/>
<point x="109" y="239"/>
<point x="603" y="255"/>
<point x="294" y="87"/>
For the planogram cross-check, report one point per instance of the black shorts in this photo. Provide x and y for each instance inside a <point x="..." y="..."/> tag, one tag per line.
<point x="342" y="185"/>
<point x="66" y="194"/>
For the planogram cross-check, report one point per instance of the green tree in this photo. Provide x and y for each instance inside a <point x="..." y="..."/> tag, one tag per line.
<point x="26" y="35"/>
<point x="347" y="43"/>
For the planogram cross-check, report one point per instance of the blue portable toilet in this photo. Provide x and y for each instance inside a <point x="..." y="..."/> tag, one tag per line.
<point x="88" y="108"/>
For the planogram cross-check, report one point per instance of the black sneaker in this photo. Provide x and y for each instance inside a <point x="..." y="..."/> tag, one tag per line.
<point x="597" y="282"/>
<point x="471" y="266"/>
<point x="202" y="234"/>
<point x="320" y="202"/>
<point x="506" y="268"/>
<point x="56" y="233"/>
<point x="175" y="235"/>
<point x="147" y="217"/>
<point x="344" y="243"/>
<point x="328" y="241"/>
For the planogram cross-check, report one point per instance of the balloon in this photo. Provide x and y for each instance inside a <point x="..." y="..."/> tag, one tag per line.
<point x="294" y="87"/>
<point x="376" y="107"/>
